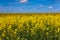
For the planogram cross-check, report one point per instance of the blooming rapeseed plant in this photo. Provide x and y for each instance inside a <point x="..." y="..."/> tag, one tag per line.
<point x="29" y="27"/>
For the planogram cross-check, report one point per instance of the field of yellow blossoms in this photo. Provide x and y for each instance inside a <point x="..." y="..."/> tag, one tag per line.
<point x="29" y="26"/>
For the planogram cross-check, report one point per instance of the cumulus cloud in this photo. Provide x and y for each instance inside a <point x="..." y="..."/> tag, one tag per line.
<point x="23" y="1"/>
<point x="41" y="5"/>
<point x="50" y="7"/>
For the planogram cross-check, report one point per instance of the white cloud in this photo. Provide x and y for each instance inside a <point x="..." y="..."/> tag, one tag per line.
<point x="23" y="1"/>
<point x="41" y="5"/>
<point x="50" y="7"/>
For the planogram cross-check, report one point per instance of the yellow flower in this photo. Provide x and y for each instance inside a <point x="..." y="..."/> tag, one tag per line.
<point x="15" y="32"/>
<point x="3" y="35"/>
<point x="0" y="38"/>
<point x="47" y="33"/>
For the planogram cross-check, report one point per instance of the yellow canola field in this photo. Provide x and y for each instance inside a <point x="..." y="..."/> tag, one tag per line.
<point x="29" y="26"/>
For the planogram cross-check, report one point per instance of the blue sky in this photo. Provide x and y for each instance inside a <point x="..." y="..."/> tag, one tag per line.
<point x="29" y="6"/>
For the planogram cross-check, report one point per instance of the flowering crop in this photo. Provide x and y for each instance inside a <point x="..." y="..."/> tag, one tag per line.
<point x="30" y="27"/>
